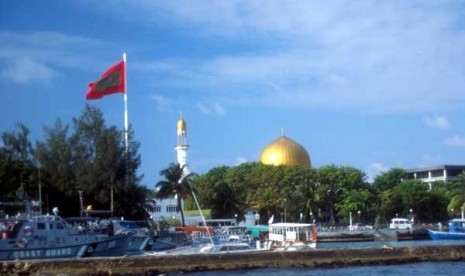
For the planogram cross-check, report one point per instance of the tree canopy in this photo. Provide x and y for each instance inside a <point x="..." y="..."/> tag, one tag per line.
<point x="329" y="194"/>
<point x="88" y="156"/>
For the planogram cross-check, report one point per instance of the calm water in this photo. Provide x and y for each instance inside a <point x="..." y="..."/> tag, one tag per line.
<point x="417" y="269"/>
<point x="350" y="245"/>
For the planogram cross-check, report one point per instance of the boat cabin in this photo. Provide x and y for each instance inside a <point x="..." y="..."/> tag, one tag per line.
<point x="293" y="232"/>
<point x="457" y="226"/>
<point x="400" y="223"/>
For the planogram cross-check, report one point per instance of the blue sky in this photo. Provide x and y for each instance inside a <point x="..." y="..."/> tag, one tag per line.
<point x="368" y="84"/>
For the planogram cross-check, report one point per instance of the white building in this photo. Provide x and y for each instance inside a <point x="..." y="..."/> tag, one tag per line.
<point x="436" y="173"/>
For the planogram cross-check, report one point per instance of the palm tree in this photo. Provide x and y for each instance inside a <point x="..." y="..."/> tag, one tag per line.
<point x="175" y="184"/>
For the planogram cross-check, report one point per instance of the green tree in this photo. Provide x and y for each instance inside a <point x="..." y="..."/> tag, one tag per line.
<point x="415" y="195"/>
<point x="16" y="145"/>
<point x="101" y="164"/>
<point x="332" y="181"/>
<point x="355" y="201"/>
<point x="18" y="170"/>
<point x="55" y="156"/>
<point x="91" y="158"/>
<point x="176" y="184"/>
<point x="390" y="179"/>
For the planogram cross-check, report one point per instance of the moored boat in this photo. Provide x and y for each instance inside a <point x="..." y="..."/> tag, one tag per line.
<point x="456" y="231"/>
<point x="292" y="236"/>
<point x="227" y="247"/>
<point x="50" y="236"/>
<point x="166" y="240"/>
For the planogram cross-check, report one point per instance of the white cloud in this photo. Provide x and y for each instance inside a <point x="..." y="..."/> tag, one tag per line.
<point x="211" y="109"/>
<point x="25" y="70"/>
<point x="162" y="103"/>
<point x="240" y="160"/>
<point x="374" y="169"/>
<point x="455" y="141"/>
<point x="55" y="50"/>
<point x="441" y="122"/>
<point x="369" y="57"/>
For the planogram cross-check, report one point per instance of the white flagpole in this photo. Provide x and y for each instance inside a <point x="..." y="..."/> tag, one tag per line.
<point x="126" y="124"/>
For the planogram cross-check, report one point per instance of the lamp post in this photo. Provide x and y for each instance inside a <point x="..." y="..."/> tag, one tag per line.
<point x="301" y="217"/>
<point x="235" y="215"/>
<point x="285" y="211"/>
<point x="257" y="218"/>
<point x="411" y="215"/>
<point x="452" y="212"/>
<point x="311" y="216"/>
<point x="359" y="216"/>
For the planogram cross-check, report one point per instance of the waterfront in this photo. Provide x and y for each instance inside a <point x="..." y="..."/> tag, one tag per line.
<point x="386" y="244"/>
<point x="369" y="259"/>
<point x="424" y="269"/>
<point x="420" y="268"/>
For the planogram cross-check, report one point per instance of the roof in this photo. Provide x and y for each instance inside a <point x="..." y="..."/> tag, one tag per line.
<point x="291" y="224"/>
<point x="438" y="167"/>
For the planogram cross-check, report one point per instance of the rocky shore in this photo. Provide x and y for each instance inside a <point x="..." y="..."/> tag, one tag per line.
<point x="148" y="265"/>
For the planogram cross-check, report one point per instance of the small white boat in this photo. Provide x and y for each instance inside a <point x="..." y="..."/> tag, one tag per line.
<point x="292" y="236"/>
<point x="400" y="223"/>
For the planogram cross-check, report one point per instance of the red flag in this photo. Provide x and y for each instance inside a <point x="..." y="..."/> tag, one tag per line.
<point x="112" y="81"/>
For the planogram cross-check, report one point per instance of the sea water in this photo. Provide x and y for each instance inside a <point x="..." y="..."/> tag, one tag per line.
<point x="417" y="269"/>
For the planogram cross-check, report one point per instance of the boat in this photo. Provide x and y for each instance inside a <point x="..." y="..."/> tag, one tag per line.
<point x="200" y="234"/>
<point x="400" y="223"/>
<point x="292" y="236"/>
<point x="258" y="232"/>
<point x="140" y="237"/>
<point x="51" y="236"/>
<point x="166" y="240"/>
<point x="456" y="231"/>
<point x="234" y="234"/>
<point x="227" y="248"/>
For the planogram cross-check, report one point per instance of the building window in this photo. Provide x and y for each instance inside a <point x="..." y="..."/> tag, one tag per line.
<point x="437" y="173"/>
<point x="422" y="175"/>
<point x="157" y="209"/>
<point x="172" y="209"/>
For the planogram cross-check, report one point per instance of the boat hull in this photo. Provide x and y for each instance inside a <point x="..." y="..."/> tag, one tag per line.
<point x="116" y="246"/>
<point x="440" y="235"/>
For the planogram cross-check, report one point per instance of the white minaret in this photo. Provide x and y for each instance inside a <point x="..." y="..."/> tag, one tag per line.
<point x="182" y="147"/>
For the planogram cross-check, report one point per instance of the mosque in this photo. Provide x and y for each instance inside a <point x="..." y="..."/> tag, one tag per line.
<point x="282" y="151"/>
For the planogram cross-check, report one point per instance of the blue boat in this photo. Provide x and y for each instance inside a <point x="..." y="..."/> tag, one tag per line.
<point x="456" y="231"/>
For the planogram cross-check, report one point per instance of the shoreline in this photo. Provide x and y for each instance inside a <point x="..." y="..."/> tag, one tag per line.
<point x="143" y="265"/>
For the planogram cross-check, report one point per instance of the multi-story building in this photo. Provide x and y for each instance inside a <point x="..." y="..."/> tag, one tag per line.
<point x="436" y="173"/>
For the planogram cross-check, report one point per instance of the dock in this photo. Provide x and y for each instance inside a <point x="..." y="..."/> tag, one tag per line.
<point x="147" y="265"/>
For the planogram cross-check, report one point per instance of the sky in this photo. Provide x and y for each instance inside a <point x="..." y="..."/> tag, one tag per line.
<point x="369" y="84"/>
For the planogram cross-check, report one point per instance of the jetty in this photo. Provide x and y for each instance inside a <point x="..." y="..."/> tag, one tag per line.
<point x="148" y="265"/>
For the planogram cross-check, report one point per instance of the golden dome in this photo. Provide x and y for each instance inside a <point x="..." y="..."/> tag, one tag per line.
<point x="285" y="151"/>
